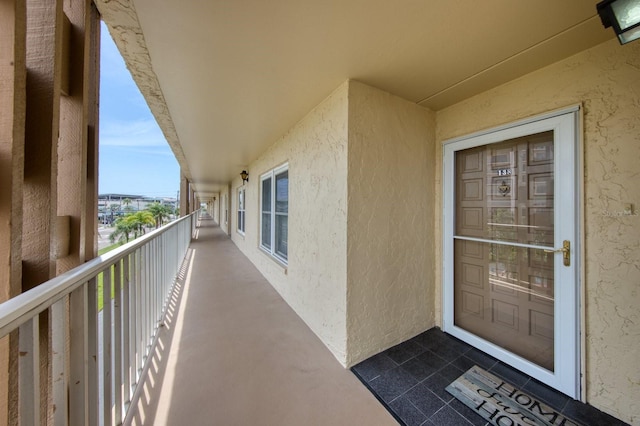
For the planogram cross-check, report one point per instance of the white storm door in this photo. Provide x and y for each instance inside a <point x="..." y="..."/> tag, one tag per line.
<point x="510" y="242"/>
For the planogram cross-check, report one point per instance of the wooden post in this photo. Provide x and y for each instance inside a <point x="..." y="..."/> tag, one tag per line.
<point x="43" y="50"/>
<point x="13" y="27"/>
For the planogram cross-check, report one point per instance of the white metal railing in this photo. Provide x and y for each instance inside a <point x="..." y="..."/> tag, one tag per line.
<point x="96" y="356"/>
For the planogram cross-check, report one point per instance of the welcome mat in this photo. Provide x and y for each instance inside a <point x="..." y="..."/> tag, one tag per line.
<point x="501" y="403"/>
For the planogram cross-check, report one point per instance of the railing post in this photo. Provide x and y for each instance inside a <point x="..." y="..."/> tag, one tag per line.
<point x="126" y="331"/>
<point x="134" y="312"/>
<point x="117" y="340"/>
<point x="29" y="374"/>
<point x="59" y="383"/>
<point x="147" y="295"/>
<point x="145" y="300"/>
<point x="93" y="363"/>
<point x="139" y="314"/>
<point x="155" y="261"/>
<point x="78" y="357"/>
<point x="106" y="346"/>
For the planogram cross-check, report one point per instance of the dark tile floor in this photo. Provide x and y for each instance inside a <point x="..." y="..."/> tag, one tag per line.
<point x="410" y="380"/>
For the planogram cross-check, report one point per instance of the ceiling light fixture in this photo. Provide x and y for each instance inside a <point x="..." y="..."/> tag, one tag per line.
<point x="623" y="16"/>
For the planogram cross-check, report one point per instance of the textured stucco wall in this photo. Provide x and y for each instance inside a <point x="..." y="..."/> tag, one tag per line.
<point x="390" y="221"/>
<point x="225" y="211"/>
<point x="386" y="293"/>
<point x="314" y="282"/>
<point x="606" y="80"/>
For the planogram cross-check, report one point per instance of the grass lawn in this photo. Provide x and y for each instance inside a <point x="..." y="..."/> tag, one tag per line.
<point x="100" y="279"/>
<point x="108" y="248"/>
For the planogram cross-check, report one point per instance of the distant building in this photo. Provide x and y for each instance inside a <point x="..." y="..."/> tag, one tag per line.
<point x="111" y="206"/>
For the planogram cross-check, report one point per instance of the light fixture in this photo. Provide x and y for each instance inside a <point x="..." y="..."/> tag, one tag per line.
<point x="623" y="16"/>
<point x="245" y="176"/>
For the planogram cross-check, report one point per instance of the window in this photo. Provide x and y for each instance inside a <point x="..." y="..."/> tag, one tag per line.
<point x="241" y="210"/>
<point x="274" y="212"/>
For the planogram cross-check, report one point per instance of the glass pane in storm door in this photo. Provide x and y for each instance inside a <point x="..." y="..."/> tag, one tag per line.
<point x="503" y="278"/>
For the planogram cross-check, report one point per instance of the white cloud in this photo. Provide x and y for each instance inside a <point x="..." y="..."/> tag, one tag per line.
<point x="142" y="151"/>
<point x="131" y="133"/>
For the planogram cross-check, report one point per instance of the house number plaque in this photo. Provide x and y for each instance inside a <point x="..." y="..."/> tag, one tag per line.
<point x="504" y="172"/>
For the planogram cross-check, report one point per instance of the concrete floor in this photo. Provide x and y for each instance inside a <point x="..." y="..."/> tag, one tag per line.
<point x="234" y="353"/>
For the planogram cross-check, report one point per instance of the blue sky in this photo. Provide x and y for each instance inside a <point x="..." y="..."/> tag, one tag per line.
<point x="134" y="155"/>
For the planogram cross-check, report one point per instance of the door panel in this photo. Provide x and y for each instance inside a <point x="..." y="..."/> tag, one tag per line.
<point x="504" y="294"/>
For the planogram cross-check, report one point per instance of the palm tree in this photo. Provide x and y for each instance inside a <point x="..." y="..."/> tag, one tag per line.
<point x="139" y="221"/>
<point x="113" y="208"/>
<point x="134" y="223"/>
<point x="159" y="213"/>
<point x="121" y="232"/>
<point x="127" y="204"/>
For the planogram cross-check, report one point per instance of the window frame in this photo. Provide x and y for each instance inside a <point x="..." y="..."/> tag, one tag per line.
<point x="273" y="213"/>
<point x="242" y="210"/>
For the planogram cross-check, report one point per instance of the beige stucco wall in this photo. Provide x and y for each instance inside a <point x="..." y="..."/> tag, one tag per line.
<point x="606" y="81"/>
<point x="314" y="282"/>
<point x="225" y="210"/>
<point x="360" y="270"/>
<point x="390" y="221"/>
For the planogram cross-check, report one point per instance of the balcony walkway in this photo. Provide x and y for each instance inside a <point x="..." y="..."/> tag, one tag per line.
<point x="233" y="352"/>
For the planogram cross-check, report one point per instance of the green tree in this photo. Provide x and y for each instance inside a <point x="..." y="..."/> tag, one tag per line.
<point x="113" y="208"/>
<point x="127" y="204"/>
<point x="133" y="223"/>
<point x="139" y="221"/>
<point x="122" y="231"/>
<point x="160" y="212"/>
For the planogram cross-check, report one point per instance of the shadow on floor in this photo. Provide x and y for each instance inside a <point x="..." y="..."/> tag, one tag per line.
<point x="153" y="375"/>
<point x="234" y="353"/>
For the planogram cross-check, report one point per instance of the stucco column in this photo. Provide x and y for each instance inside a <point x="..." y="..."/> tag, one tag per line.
<point x="12" y="120"/>
<point x="231" y="214"/>
<point x="184" y="195"/>
<point x="192" y="200"/>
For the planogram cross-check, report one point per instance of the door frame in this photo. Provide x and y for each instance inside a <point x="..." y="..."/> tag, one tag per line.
<point x="567" y="313"/>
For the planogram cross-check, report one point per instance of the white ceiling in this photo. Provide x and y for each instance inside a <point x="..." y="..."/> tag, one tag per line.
<point x="235" y="75"/>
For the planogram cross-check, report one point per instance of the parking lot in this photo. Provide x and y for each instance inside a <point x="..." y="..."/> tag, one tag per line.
<point x="103" y="236"/>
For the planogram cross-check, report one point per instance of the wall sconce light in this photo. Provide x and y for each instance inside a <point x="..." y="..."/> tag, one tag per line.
<point x="245" y="176"/>
<point x="623" y="16"/>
